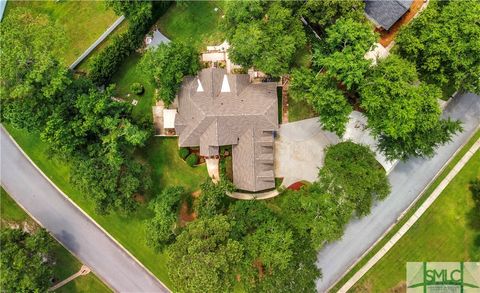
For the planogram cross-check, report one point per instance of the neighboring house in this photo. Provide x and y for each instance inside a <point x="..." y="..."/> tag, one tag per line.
<point x="385" y="13"/>
<point x="220" y="109"/>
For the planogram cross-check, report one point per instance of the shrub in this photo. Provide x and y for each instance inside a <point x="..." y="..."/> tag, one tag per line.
<point x="475" y="189"/>
<point x="137" y="88"/>
<point x="183" y="153"/>
<point x="192" y="160"/>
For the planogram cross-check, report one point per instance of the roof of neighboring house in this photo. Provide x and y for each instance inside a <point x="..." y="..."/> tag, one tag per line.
<point x="216" y="109"/>
<point x="386" y="12"/>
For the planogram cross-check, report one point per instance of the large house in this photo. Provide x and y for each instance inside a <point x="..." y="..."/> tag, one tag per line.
<point x="220" y="109"/>
<point x="385" y="13"/>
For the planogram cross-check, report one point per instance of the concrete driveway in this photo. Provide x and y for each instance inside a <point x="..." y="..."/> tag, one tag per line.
<point x="408" y="179"/>
<point x="69" y="225"/>
<point x="299" y="150"/>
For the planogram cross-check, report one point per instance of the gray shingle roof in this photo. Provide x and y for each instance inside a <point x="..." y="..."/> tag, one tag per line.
<point x="243" y="115"/>
<point x="386" y="12"/>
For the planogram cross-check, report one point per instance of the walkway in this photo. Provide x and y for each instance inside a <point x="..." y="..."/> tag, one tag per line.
<point x="252" y="196"/>
<point x="408" y="180"/>
<point x="97" y="42"/>
<point x="84" y="270"/>
<point x="413" y="219"/>
<point x="70" y="225"/>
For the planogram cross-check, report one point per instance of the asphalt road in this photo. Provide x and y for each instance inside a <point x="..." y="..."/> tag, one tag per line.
<point x="408" y="179"/>
<point x="69" y="225"/>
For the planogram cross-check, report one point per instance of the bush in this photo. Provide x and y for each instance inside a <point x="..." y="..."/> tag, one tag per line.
<point x="137" y="88"/>
<point x="192" y="160"/>
<point x="183" y="153"/>
<point x="475" y="189"/>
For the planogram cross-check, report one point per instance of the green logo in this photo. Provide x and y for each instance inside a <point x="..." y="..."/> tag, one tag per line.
<point x="443" y="277"/>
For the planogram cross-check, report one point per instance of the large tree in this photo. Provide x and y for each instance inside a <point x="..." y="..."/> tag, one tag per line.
<point x="352" y="173"/>
<point x="324" y="13"/>
<point x="444" y="44"/>
<point x="322" y="93"/>
<point x="263" y="34"/>
<point x="26" y="261"/>
<point x="213" y="199"/>
<point x="168" y="64"/>
<point x="341" y="55"/>
<point x="403" y="112"/>
<point x="162" y="228"/>
<point x="31" y="75"/>
<point x="204" y="257"/>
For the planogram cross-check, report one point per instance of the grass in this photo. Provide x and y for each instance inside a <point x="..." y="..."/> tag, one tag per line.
<point x="407" y="215"/>
<point x="82" y="21"/>
<point x="299" y="110"/>
<point x="194" y="22"/>
<point x="128" y="74"/>
<point x="448" y="231"/>
<point x="129" y="230"/>
<point x="66" y="264"/>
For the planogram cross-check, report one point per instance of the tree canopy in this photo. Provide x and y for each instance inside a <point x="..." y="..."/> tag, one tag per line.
<point x="168" y="64"/>
<point x="204" y="257"/>
<point x="443" y="43"/>
<point x="403" y="112"/>
<point x="263" y="34"/>
<point x="26" y="261"/>
<point x="321" y="92"/>
<point x="352" y="173"/>
<point x="325" y="13"/>
<point x="162" y="228"/>
<point x="31" y="74"/>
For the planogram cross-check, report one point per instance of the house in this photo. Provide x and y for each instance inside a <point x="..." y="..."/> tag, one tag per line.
<point x="217" y="109"/>
<point x="385" y="13"/>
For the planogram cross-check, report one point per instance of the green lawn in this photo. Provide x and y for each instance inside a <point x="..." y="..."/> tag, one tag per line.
<point x="448" y="231"/>
<point x="82" y="21"/>
<point x="167" y="169"/>
<point x="407" y="215"/>
<point x="194" y="22"/>
<point x="128" y="74"/>
<point x="66" y="264"/>
<point x="299" y="110"/>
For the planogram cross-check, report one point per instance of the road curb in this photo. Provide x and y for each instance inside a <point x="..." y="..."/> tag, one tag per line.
<point x="413" y="219"/>
<point x="83" y="212"/>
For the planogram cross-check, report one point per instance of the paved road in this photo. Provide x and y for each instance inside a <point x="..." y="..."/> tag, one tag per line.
<point x="69" y="225"/>
<point x="408" y="180"/>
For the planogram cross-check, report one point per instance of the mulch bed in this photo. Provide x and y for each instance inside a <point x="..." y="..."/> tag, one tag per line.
<point x="296" y="186"/>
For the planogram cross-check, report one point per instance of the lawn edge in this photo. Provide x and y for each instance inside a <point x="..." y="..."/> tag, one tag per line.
<point x="402" y="218"/>
<point x="83" y="212"/>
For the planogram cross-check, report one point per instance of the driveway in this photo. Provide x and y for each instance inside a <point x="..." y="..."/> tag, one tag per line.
<point x="69" y="225"/>
<point x="299" y="150"/>
<point x="408" y="179"/>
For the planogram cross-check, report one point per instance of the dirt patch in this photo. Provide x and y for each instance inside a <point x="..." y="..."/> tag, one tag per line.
<point x="399" y="288"/>
<point x="186" y="214"/>
<point x="139" y="198"/>
<point x="386" y="37"/>
<point x="261" y="271"/>
<point x="196" y="194"/>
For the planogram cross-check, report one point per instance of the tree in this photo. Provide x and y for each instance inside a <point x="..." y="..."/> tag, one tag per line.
<point x="31" y="74"/>
<point x="444" y="49"/>
<point x="325" y="13"/>
<point x="162" y="228"/>
<point x="26" y="261"/>
<point x="352" y="173"/>
<point x="213" y="199"/>
<point x="315" y="214"/>
<point x="341" y="56"/>
<point x="323" y="95"/>
<point x="168" y="64"/>
<point x="475" y="189"/>
<point x="403" y="112"/>
<point x="273" y="254"/>
<point x="263" y="34"/>
<point x="204" y="258"/>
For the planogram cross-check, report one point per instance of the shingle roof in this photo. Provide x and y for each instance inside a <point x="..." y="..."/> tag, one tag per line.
<point x="231" y="111"/>
<point x="386" y="12"/>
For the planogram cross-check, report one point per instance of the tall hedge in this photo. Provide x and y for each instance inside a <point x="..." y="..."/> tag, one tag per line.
<point x="141" y="17"/>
